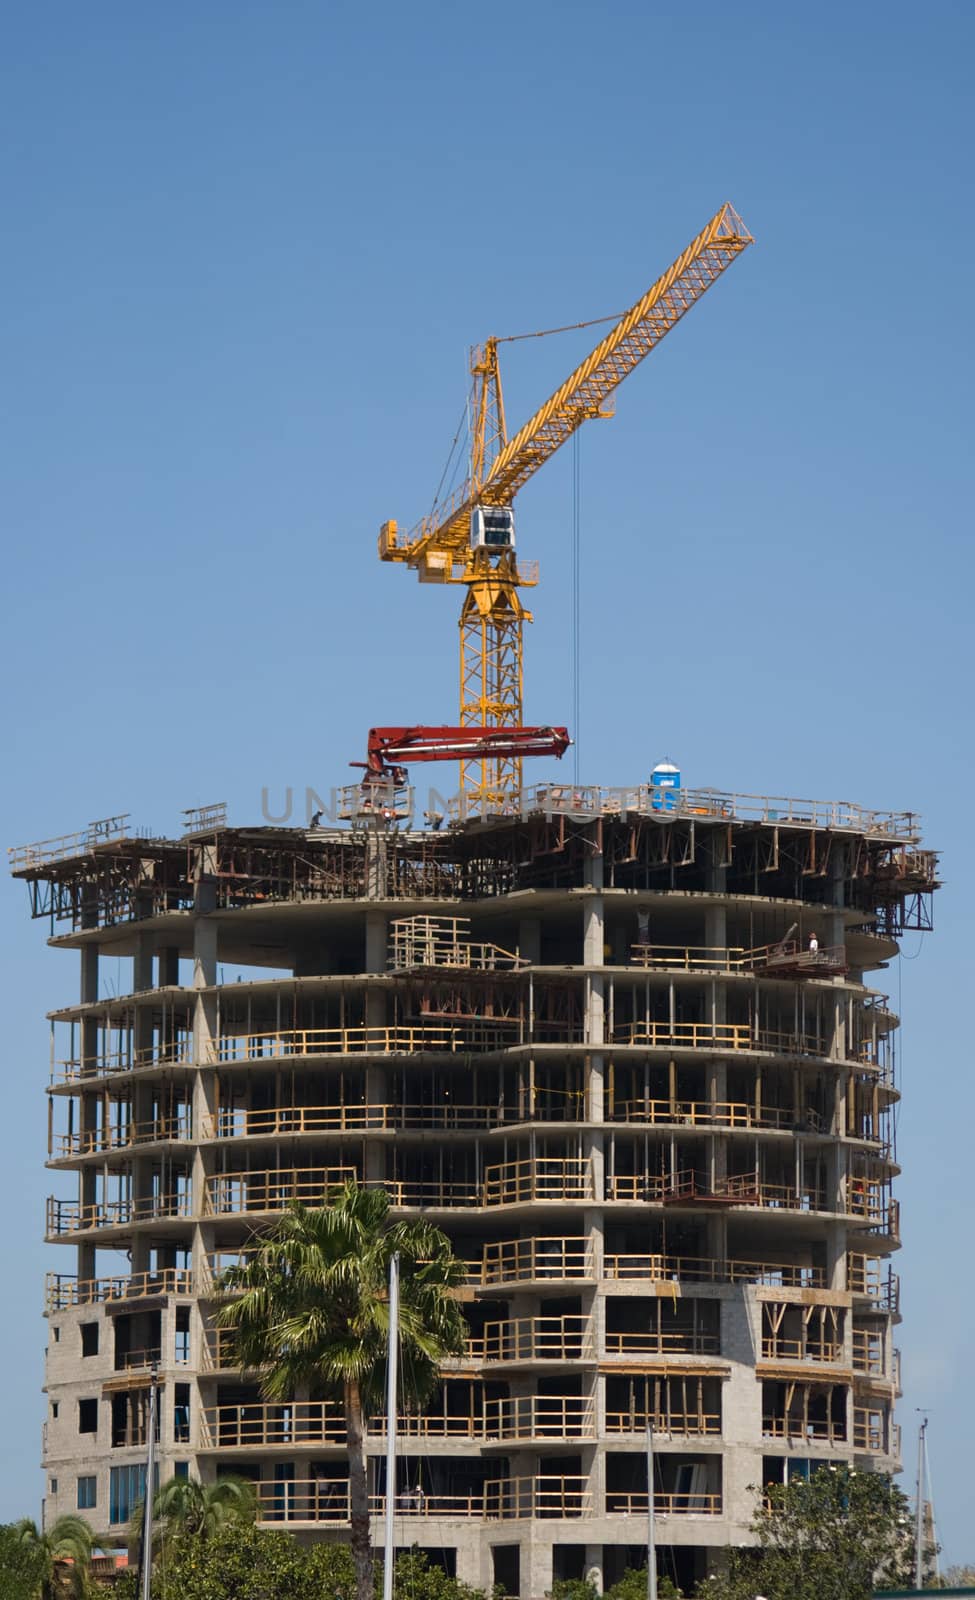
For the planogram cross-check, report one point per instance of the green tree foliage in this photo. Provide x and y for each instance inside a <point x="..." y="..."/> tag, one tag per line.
<point x="837" y="1536"/>
<point x="61" y="1557"/>
<point x="311" y="1313"/>
<point x="21" y="1564"/>
<point x="577" y="1589"/>
<point x="416" y="1577"/>
<point x="187" y="1506"/>
<point x="238" y="1562"/>
<point x="633" y="1586"/>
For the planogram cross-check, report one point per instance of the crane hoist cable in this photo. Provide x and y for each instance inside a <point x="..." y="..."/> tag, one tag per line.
<point x="470" y="538"/>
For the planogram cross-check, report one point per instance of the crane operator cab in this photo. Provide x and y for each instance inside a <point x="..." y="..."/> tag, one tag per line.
<point x="492" y="527"/>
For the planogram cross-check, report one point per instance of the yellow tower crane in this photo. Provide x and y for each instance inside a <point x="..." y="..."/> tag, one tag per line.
<point x="470" y="538"/>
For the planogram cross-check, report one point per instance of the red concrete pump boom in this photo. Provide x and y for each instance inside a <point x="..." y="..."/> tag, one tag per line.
<point x="390" y="748"/>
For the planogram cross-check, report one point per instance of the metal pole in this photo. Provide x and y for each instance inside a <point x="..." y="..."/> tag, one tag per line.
<point x="147" y="1510"/>
<point x="391" y="1402"/>
<point x="651" y="1527"/>
<point x="936" y="1574"/>
<point x="919" y="1509"/>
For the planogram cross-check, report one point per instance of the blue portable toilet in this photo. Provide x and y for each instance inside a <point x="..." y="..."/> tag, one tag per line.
<point x="665" y="787"/>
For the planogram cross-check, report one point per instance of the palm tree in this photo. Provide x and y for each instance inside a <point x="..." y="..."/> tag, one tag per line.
<point x="186" y="1506"/>
<point x="64" y="1556"/>
<point x="313" y="1313"/>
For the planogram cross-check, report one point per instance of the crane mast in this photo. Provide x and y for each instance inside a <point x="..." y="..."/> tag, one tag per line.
<point x="469" y="539"/>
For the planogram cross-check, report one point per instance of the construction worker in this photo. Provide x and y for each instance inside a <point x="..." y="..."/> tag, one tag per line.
<point x="813" y="943"/>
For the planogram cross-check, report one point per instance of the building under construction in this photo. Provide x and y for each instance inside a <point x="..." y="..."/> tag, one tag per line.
<point x="625" y="1048"/>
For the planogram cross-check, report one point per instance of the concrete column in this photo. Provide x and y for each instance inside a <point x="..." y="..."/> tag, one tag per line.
<point x="167" y="969"/>
<point x="89" y="1102"/>
<point x="836" y="930"/>
<point x="538" y="1550"/>
<point x="716" y="1072"/>
<point x="836" y="1246"/>
<point x="469" y="1564"/>
<point x="205" y="1049"/>
<point x="377" y="1013"/>
<point x="530" y="939"/>
<point x="143" y="1094"/>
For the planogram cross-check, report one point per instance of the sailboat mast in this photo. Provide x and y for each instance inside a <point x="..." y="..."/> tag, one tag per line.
<point x="919" y="1509"/>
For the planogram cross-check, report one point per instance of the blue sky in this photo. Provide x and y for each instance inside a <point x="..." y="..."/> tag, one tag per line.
<point x="246" y="248"/>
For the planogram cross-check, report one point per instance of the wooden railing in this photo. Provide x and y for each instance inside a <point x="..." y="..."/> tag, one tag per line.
<point x="634" y="1504"/>
<point x="788" y="957"/>
<point x="233" y="1193"/>
<point x="253" y="1424"/>
<point x="63" y="1291"/>
<point x="501" y="1499"/>
<point x="132" y="1360"/>
<point x="509" y="1183"/>
<point x="711" y="1114"/>
<point x="174" y="1053"/>
<point x="69" y="1216"/>
<point x="809" y="1429"/>
<point x="513" y="1182"/>
<point x="86" y="1141"/>
<point x="636" y="1419"/>
<point x="695" y="1035"/>
<point x="775" y="1348"/>
<point x="661" y="1342"/>
<point x="530" y="1260"/>
<point x="289" y="1121"/>
<point x="509" y="1499"/>
<point x="401" y="1039"/>
<point x="540" y="1416"/>
<point x="868" y="1352"/>
<point x="688" y="958"/>
<point x="705" y="1269"/>
<point x="533" y="1339"/>
<point x="870" y="1431"/>
<point x="219" y="1350"/>
<point x="741" y="1189"/>
<point x="874" y="1278"/>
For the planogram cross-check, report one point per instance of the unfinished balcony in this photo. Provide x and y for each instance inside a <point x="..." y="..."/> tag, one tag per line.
<point x="545" y="1260"/>
<point x="530" y="1341"/>
<point x="660" y="1267"/>
<point x="805" y="1412"/>
<point x="874" y="1432"/>
<point x="872" y="1280"/>
<point x="687" y="1405"/>
<point x="64" y="1290"/>
<point x="67" y="1218"/>
<point x="544" y="1178"/>
<point x="802" y="1333"/>
<point x="661" y="1326"/>
<point x="684" y="1485"/>
<point x="119" y="1134"/>
<point x="320" y="1500"/>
